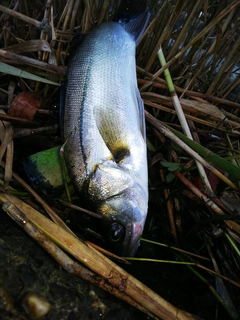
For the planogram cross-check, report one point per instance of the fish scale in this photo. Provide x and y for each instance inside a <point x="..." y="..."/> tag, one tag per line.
<point x="106" y="152"/>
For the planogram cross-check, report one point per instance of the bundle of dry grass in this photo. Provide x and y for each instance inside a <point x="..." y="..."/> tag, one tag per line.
<point x="201" y="43"/>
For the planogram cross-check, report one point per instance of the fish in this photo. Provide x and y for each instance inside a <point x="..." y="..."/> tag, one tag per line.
<point x="104" y="126"/>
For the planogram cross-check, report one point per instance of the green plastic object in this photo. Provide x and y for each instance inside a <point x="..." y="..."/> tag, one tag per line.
<point x="44" y="170"/>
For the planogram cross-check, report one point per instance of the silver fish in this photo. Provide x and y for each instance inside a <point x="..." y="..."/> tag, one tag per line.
<point x="106" y="152"/>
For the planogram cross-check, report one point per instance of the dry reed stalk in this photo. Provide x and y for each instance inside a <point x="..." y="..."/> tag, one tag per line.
<point x="29" y="46"/>
<point x="65" y="261"/>
<point x="20" y="16"/>
<point x="61" y="71"/>
<point x="211" y="204"/>
<point x="6" y="134"/>
<point x="34" y="194"/>
<point x="170" y="211"/>
<point x="194" y="47"/>
<point x="200" y="109"/>
<point x="161" y="84"/>
<point x="193" y="118"/>
<point x="194" y="154"/>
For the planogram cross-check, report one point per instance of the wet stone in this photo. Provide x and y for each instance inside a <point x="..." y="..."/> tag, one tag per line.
<point x="35" y="306"/>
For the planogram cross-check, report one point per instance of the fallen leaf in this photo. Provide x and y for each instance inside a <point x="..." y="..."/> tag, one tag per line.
<point x="25" y="105"/>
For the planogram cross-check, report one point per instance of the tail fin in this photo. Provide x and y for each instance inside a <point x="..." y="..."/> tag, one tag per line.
<point x="134" y="16"/>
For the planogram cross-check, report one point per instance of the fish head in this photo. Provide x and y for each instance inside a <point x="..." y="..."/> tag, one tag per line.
<point x="122" y="202"/>
<point x="123" y="222"/>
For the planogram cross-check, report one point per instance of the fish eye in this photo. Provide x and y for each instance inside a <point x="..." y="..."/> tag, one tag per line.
<point x="116" y="232"/>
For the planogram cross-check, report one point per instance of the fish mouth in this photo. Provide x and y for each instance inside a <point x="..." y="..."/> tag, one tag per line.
<point x="137" y="229"/>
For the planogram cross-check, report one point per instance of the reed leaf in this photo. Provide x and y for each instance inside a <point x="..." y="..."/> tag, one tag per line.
<point x="208" y="155"/>
<point x="5" y="68"/>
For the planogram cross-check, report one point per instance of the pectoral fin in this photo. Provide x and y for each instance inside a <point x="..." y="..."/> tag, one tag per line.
<point x="140" y="105"/>
<point x="113" y="133"/>
<point x="113" y="129"/>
